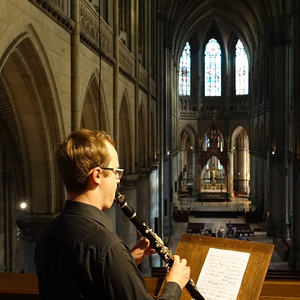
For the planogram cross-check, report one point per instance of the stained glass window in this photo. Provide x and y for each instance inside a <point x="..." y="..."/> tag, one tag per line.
<point x="212" y="62"/>
<point x="207" y="142"/>
<point x="220" y="167"/>
<point x="185" y="71"/>
<point x="241" y="70"/>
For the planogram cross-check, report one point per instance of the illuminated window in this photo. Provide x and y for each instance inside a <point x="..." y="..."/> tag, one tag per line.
<point x="220" y="167"/>
<point x="207" y="142"/>
<point x="241" y="70"/>
<point x="185" y="71"/>
<point x="212" y="62"/>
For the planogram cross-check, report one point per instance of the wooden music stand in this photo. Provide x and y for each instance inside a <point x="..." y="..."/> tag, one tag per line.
<point x="195" y="248"/>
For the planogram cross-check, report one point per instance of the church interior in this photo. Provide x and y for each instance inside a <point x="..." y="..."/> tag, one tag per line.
<point x="200" y="97"/>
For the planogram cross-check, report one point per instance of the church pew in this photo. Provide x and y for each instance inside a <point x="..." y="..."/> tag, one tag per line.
<point x="18" y="286"/>
<point x="195" y="227"/>
<point x="15" y="286"/>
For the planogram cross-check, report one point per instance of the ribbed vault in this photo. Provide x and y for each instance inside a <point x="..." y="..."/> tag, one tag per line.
<point x="186" y="18"/>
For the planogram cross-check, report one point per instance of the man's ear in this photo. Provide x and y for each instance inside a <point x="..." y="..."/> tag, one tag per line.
<point x="96" y="175"/>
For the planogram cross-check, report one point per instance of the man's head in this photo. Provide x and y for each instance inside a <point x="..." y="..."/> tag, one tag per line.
<point x="82" y="151"/>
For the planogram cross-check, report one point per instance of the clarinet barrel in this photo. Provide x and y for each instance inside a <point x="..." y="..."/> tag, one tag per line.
<point x="155" y="241"/>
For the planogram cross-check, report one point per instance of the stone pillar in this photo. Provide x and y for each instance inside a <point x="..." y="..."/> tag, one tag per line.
<point x="294" y="260"/>
<point x="230" y="173"/>
<point x="253" y="180"/>
<point x="143" y="210"/>
<point x="124" y="228"/>
<point x="280" y="69"/>
<point x="75" y="67"/>
<point x="243" y="185"/>
<point x="115" y="114"/>
<point x="195" y="174"/>
<point x="30" y="227"/>
<point x="260" y="187"/>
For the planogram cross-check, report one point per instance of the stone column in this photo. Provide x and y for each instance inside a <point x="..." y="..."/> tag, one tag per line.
<point x="230" y="173"/>
<point x="115" y="114"/>
<point x="253" y="180"/>
<point x="294" y="260"/>
<point x="124" y="228"/>
<point x="281" y="66"/>
<point x="75" y="67"/>
<point x="195" y="174"/>
<point x="243" y="170"/>
<point x="143" y="210"/>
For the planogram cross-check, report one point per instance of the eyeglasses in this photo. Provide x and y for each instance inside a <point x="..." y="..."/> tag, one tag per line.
<point x="118" y="172"/>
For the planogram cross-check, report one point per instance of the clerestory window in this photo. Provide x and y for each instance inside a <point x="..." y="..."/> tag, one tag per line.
<point x="185" y="71"/>
<point x="212" y="68"/>
<point x="241" y="70"/>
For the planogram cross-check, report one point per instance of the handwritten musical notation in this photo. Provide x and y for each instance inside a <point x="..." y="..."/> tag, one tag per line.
<point x="222" y="274"/>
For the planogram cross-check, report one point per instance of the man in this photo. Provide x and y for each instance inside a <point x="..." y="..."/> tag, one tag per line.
<point x="78" y="256"/>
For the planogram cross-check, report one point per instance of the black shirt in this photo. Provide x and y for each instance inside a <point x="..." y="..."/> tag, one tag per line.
<point x="79" y="257"/>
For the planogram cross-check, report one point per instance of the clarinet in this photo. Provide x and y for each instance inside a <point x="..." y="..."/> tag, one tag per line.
<point x="155" y="242"/>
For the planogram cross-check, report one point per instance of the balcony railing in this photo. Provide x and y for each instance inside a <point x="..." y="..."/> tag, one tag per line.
<point x="126" y="60"/>
<point x="187" y="108"/>
<point x="59" y="10"/>
<point x="90" y="24"/>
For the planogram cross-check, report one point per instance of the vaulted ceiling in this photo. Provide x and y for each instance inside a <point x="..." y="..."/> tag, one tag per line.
<point x="247" y="18"/>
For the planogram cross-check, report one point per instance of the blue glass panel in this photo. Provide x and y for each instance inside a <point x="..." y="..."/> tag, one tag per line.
<point x="185" y="71"/>
<point x="241" y="70"/>
<point x="212" y="62"/>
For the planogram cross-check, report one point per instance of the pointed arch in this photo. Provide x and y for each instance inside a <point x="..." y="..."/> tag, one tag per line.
<point x="94" y="111"/>
<point x="32" y="95"/>
<point x="213" y="144"/>
<point x="239" y="134"/>
<point x="31" y="126"/>
<point x="187" y="163"/>
<point x="241" y="69"/>
<point x="187" y="137"/>
<point x="125" y="135"/>
<point x="212" y="68"/>
<point x="213" y="57"/>
<point x="212" y="135"/>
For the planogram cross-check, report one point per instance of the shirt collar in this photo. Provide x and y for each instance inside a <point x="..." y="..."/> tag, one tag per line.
<point x="87" y="210"/>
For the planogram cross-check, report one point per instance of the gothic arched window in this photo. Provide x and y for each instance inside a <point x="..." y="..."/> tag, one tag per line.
<point x="241" y="70"/>
<point x="185" y="71"/>
<point x="212" y="65"/>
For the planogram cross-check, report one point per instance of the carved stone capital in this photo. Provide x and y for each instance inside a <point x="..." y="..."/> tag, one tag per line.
<point x="31" y="225"/>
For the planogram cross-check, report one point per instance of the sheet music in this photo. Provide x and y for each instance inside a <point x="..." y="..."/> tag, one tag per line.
<point x="222" y="274"/>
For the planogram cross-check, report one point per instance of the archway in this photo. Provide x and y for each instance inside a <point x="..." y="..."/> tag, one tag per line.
<point x="94" y="112"/>
<point x="31" y="122"/>
<point x="187" y="162"/>
<point x="213" y="176"/>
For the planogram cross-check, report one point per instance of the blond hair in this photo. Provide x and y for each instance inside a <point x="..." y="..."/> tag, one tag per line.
<point x="82" y="151"/>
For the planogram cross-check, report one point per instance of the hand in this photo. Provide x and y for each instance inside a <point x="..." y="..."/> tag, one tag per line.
<point x="141" y="250"/>
<point x="180" y="272"/>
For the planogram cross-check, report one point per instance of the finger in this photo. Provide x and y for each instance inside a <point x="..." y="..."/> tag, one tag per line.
<point x="143" y="243"/>
<point x="147" y="242"/>
<point x="183" y="261"/>
<point x="176" y="258"/>
<point x="151" y="251"/>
